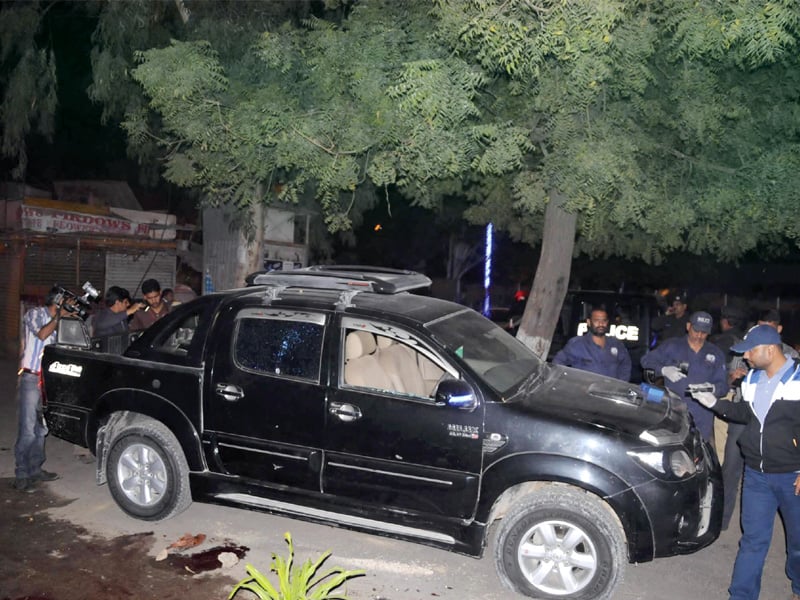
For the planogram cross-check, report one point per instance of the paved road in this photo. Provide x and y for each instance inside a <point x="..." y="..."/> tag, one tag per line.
<point x="395" y="570"/>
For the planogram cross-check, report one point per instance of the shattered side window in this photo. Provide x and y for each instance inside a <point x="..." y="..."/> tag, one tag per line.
<point x="279" y="347"/>
<point x="180" y="338"/>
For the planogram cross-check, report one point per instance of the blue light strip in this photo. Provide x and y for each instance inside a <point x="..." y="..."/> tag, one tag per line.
<point x="487" y="271"/>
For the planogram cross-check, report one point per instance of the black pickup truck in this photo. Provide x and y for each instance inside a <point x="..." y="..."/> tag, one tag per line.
<point x="335" y="395"/>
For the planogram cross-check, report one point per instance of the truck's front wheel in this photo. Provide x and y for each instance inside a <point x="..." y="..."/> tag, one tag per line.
<point x="147" y="471"/>
<point x="561" y="542"/>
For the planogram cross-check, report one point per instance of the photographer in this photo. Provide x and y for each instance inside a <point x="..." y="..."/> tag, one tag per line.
<point x="39" y="330"/>
<point x="113" y="318"/>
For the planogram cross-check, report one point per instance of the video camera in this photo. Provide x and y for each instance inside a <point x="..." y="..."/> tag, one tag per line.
<point x="71" y="302"/>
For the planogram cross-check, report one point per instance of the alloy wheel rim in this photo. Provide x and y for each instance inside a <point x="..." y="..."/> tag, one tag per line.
<point x="557" y="557"/>
<point x="142" y="475"/>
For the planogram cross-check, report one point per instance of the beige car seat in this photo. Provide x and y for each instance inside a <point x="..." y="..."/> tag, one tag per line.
<point x="361" y="367"/>
<point x="400" y="364"/>
<point x="431" y="373"/>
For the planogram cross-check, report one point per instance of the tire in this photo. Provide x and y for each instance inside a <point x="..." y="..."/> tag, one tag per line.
<point x="561" y="542"/>
<point x="147" y="472"/>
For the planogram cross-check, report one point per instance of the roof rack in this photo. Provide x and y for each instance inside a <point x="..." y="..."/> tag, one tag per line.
<point x="358" y="278"/>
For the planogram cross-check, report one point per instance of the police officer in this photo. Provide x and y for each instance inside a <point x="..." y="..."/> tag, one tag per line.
<point x="692" y="360"/>
<point x="596" y="352"/>
<point x="673" y="323"/>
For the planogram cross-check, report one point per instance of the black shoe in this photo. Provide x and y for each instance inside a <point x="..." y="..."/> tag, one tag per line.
<point x="44" y="476"/>
<point x="22" y="484"/>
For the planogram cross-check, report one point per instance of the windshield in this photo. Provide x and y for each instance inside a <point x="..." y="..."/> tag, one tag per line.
<point x="495" y="356"/>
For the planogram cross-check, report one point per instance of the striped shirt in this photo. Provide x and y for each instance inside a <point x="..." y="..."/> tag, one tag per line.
<point x="32" y="346"/>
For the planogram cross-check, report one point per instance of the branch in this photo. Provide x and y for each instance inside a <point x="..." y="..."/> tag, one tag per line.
<point x="539" y="9"/>
<point x="221" y="120"/>
<point x="314" y="142"/>
<point x="332" y="149"/>
<point x="699" y="163"/>
<point x="46" y="10"/>
<point x="499" y="9"/>
<point x="183" y="11"/>
<point x="543" y="148"/>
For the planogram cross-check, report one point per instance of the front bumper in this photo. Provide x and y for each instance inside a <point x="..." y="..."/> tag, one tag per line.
<point x="686" y="515"/>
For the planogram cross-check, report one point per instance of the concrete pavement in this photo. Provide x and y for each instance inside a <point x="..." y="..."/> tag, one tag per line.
<point x="395" y="570"/>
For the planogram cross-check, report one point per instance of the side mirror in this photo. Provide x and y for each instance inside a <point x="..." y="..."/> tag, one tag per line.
<point x="456" y="393"/>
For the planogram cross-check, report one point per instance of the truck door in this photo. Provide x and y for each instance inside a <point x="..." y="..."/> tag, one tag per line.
<point x="390" y="446"/>
<point x="265" y="403"/>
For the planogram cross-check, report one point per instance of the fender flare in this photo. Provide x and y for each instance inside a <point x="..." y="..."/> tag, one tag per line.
<point x="134" y="401"/>
<point x="518" y="474"/>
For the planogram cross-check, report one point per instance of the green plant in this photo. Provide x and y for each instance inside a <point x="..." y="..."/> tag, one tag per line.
<point x="296" y="583"/>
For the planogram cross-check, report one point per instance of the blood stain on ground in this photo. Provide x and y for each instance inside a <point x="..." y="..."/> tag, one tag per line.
<point x="47" y="559"/>
<point x="207" y="560"/>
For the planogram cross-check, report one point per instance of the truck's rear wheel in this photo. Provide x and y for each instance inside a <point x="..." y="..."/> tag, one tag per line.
<point x="147" y="472"/>
<point x="561" y="542"/>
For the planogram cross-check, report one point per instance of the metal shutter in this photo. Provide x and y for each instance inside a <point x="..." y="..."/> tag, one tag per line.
<point x="10" y="264"/>
<point x="48" y="264"/>
<point x="130" y="269"/>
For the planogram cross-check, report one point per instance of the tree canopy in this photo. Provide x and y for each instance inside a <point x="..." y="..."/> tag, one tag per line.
<point x="666" y="126"/>
<point x="660" y="126"/>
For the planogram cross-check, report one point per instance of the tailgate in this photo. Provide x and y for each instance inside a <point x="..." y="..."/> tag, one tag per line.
<point x="82" y="387"/>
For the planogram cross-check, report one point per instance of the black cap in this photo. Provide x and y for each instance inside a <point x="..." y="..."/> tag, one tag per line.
<point x="681" y="297"/>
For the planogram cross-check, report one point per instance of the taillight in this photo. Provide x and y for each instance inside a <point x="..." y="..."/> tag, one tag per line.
<point x="41" y="388"/>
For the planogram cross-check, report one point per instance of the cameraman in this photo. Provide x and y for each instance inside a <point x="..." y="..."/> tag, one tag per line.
<point x="113" y="318"/>
<point x="39" y="330"/>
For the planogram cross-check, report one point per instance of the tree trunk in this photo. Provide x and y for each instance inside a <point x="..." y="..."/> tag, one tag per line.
<point x="250" y="253"/>
<point x="248" y="246"/>
<point x="550" y="284"/>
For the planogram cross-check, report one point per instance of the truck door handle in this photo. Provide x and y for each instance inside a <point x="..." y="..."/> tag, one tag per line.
<point x="345" y="412"/>
<point x="230" y="392"/>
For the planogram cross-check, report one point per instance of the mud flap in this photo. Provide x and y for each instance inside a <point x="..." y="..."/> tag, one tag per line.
<point x="106" y="435"/>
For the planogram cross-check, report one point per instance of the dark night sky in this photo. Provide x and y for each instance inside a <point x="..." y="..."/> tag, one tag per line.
<point x="82" y="147"/>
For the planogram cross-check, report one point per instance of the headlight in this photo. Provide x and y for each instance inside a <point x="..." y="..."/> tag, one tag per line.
<point x="666" y="464"/>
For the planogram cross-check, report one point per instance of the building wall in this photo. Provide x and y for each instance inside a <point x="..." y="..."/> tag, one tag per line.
<point x="226" y="251"/>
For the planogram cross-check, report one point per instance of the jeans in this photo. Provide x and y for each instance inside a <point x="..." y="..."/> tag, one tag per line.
<point x="762" y="495"/>
<point x="29" y="449"/>
<point x="732" y="466"/>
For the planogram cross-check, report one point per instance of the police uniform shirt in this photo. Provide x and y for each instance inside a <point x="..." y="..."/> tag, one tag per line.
<point x="611" y="360"/>
<point x="706" y="366"/>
